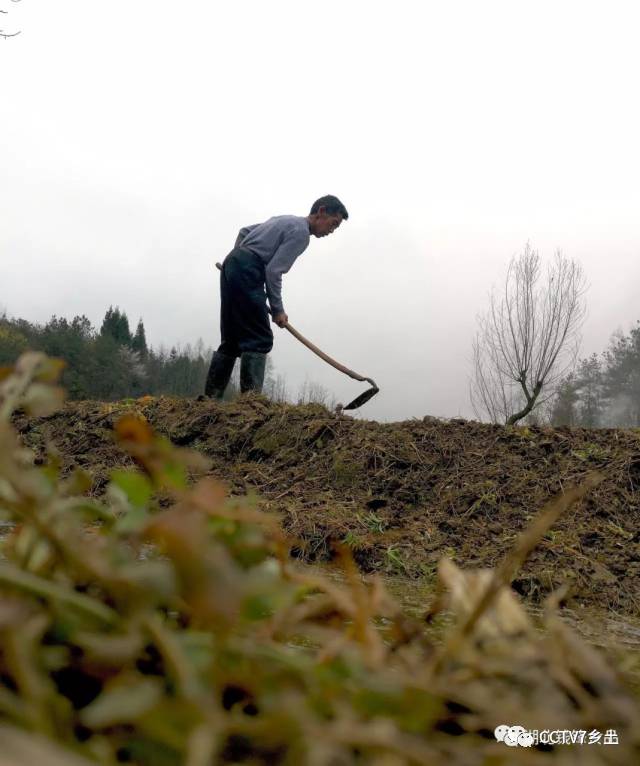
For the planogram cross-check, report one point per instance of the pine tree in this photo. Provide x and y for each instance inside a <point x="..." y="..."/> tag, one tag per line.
<point x="589" y="391"/>
<point x="113" y="379"/>
<point x="109" y="322"/>
<point x="74" y="342"/>
<point x="116" y="324"/>
<point x="622" y="379"/>
<point x="139" y="342"/>
<point x="124" y="336"/>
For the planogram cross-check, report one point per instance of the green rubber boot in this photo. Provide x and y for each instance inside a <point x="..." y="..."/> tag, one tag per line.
<point x="219" y="375"/>
<point x="252" y="367"/>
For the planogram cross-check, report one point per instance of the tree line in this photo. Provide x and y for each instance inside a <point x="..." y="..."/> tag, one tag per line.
<point x="113" y="363"/>
<point x="604" y="389"/>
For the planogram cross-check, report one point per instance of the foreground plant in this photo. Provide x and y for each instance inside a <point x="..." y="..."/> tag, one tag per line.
<point x="129" y="633"/>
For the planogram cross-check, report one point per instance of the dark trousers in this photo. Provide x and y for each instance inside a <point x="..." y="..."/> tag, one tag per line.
<point x="244" y="318"/>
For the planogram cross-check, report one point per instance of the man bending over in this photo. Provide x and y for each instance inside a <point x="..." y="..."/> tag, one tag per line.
<point x="251" y="274"/>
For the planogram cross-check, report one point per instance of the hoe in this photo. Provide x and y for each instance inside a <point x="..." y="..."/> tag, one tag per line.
<point x="359" y="400"/>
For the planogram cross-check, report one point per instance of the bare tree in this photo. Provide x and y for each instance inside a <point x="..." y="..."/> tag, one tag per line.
<point x="8" y="34"/>
<point x="278" y="392"/>
<point x="529" y="337"/>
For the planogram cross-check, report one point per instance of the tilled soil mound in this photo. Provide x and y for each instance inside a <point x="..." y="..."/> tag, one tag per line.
<point x="400" y="495"/>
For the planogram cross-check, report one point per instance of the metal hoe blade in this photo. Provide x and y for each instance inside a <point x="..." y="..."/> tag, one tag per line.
<point x="362" y="399"/>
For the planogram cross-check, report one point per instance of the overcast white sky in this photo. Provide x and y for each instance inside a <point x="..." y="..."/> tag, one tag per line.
<point x="138" y="136"/>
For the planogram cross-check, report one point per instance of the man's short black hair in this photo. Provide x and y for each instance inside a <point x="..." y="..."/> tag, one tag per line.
<point x="331" y="204"/>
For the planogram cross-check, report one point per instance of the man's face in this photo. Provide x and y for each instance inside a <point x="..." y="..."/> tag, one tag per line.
<point x="326" y="223"/>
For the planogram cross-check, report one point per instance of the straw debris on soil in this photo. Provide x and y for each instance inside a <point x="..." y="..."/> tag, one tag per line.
<point x="401" y="494"/>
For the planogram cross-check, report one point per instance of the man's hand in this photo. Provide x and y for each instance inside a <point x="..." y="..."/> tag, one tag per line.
<point x="281" y="319"/>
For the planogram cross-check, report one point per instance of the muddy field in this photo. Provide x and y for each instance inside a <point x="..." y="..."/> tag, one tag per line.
<point x="400" y="495"/>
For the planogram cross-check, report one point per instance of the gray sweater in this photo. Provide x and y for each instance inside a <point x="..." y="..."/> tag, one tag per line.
<point x="278" y="241"/>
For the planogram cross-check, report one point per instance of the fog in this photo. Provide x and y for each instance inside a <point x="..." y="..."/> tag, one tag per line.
<point x="139" y="136"/>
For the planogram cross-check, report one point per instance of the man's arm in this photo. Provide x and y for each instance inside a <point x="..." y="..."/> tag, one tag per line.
<point x="280" y="264"/>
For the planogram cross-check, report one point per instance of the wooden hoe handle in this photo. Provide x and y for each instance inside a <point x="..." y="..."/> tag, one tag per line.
<point x="312" y="347"/>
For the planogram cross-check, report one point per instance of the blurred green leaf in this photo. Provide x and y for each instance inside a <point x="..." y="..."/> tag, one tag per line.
<point x="20" y="748"/>
<point x="119" y="648"/>
<point x="257" y="606"/>
<point x="49" y="369"/>
<point x="147" y="752"/>
<point x="135" y="486"/>
<point x="124" y="700"/>
<point x="42" y="400"/>
<point x="131" y="521"/>
<point x="157" y="578"/>
<point x="13" y="577"/>
<point x="175" y="475"/>
<point x="79" y="482"/>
